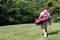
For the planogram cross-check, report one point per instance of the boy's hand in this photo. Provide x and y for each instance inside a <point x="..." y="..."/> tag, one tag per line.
<point x="49" y="23"/>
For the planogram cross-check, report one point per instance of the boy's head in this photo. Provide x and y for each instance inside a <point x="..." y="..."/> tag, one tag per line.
<point x="46" y="8"/>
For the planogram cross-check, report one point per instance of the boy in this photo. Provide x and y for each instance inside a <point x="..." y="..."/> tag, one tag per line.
<point x="44" y="25"/>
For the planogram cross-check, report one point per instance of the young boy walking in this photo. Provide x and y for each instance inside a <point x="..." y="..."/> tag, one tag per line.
<point x="45" y="13"/>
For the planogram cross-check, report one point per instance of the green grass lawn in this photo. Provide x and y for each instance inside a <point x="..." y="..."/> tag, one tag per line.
<point x="29" y="32"/>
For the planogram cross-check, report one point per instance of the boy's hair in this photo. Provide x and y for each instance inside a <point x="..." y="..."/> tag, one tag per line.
<point x="46" y="7"/>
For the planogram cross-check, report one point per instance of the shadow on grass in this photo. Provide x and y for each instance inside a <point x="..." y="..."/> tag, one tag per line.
<point x="53" y="33"/>
<point x="6" y="24"/>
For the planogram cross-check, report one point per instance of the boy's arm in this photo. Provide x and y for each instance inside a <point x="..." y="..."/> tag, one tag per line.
<point x="49" y="21"/>
<point x="40" y="14"/>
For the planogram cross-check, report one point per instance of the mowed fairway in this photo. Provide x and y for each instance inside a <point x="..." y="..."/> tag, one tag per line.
<point x="29" y="32"/>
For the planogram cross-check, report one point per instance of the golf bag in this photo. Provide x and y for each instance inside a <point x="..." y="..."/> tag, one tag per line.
<point x="39" y="21"/>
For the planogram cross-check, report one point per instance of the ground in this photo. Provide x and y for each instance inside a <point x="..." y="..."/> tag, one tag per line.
<point x="29" y="32"/>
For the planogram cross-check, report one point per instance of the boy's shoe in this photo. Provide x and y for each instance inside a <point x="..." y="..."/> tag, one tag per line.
<point x="45" y="35"/>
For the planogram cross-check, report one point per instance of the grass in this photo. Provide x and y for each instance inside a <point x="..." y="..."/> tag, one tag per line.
<point x="29" y="32"/>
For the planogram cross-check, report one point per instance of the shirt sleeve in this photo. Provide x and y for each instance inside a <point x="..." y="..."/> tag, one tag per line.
<point x="42" y="13"/>
<point x="49" y="15"/>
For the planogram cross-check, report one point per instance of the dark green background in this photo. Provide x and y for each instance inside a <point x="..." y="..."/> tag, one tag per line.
<point x="17" y="11"/>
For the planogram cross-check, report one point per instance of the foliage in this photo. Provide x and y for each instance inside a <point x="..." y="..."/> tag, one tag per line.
<point x="18" y="11"/>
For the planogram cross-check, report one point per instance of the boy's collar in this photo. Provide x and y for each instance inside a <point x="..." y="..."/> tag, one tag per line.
<point x="45" y="10"/>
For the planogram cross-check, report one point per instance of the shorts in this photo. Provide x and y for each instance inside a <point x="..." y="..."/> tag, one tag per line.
<point x="44" y="25"/>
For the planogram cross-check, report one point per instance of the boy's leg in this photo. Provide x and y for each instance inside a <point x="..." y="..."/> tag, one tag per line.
<point x="45" y="32"/>
<point x="44" y="29"/>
